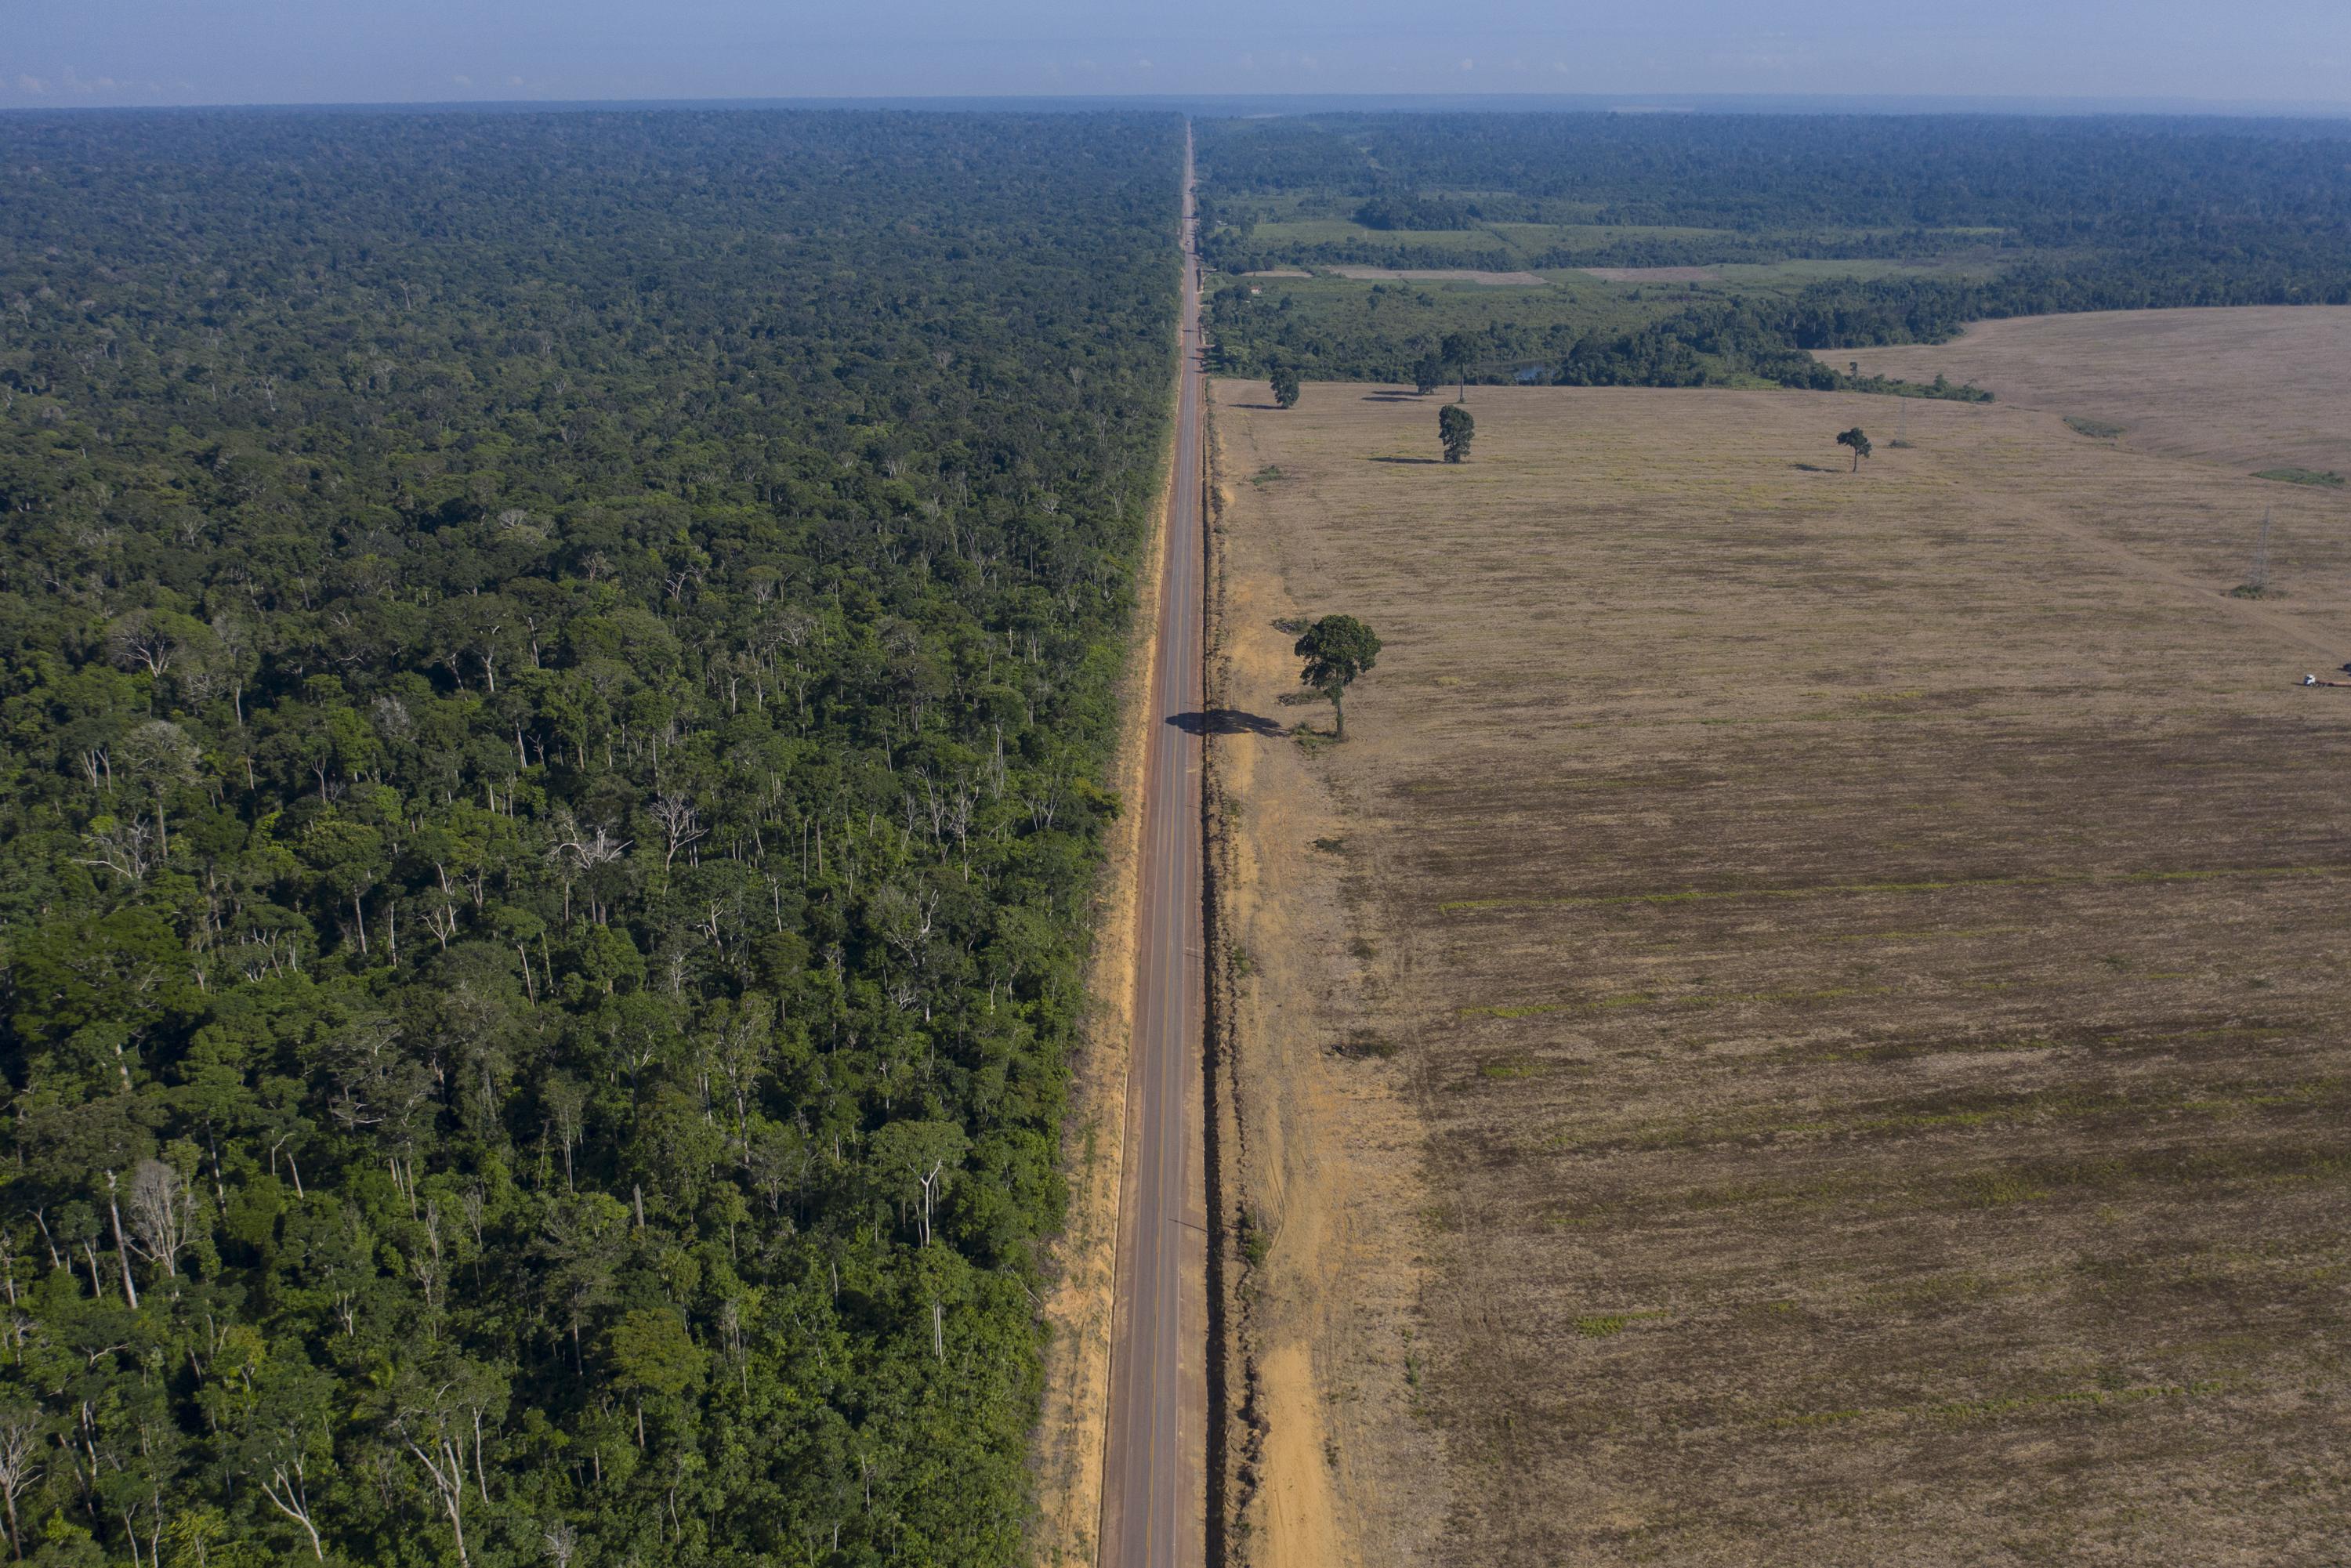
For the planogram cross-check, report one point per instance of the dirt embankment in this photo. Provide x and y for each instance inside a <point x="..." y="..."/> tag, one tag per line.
<point x="1318" y="1153"/>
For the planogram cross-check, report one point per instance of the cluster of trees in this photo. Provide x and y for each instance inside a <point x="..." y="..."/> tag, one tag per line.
<point x="556" y="671"/>
<point x="1747" y="342"/>
<point x="1597" y="248"/>
<point x="1407" y="210"/>
<point x="1928" y="311"/>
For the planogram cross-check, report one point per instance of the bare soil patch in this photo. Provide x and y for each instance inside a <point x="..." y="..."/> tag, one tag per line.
<point x="1444" y="275"/>
<point x="1654" y="274"/>
<point x="1861" y="960"/>
<point x="2249" y="387"/>
<point x="1323" y="1155"/>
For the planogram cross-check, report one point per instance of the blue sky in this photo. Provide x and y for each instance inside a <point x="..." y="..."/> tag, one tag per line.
<point x="116" y="52"/>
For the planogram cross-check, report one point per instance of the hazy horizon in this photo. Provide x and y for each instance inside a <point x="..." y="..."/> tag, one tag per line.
<point x="2167" y="54"/>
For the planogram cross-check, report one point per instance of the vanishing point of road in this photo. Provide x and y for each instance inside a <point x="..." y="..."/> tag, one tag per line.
<point x="1154" y="1488"/>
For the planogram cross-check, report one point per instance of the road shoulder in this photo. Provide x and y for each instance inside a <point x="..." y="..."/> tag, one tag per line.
<point x="1320" y="1151"/>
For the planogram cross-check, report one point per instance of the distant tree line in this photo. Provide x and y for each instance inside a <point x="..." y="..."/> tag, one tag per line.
<point x="2072" y="215"/>
<point x="2083" y="180"/>
<point x="1715" y="342"/>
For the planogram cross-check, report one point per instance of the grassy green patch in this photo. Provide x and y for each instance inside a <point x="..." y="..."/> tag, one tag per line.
<point x="2327" y="476"/>
<point x="1994" y="1189"/>
<point x="1301" y="237"/>
<point x="1256" y="1240"/>
<point x="1535" y="1009"/>
<point x="2097" y="429"/>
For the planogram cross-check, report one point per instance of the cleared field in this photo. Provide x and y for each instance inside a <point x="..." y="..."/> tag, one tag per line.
<point x="1806" y="1023"/>
<point x="2252" y="388"/>
<point x="1746" y="277"/>
<point x="1653" y="273"/>
<point x="1523" y="239"/>
<point x="1440" y="275"/>
<point x="1342" y="231"/>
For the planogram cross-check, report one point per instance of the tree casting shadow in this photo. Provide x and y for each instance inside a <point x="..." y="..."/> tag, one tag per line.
<point x="1226" y="721"/>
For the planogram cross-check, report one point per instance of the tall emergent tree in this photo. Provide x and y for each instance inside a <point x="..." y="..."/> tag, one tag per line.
<point x="1337" y="649"/>
<point x="1858" y="442"/>
<point x="1285" y="385"/>
<point x="1427" y="374"/>
<point x="1455" y="427"/>
<point x="1456" y="350"/>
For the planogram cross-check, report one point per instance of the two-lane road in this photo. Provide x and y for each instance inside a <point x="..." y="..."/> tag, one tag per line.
<point x="1155" y="1467"/>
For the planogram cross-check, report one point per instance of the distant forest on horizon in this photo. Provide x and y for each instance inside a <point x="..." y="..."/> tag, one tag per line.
<point x="1927" y="223"/>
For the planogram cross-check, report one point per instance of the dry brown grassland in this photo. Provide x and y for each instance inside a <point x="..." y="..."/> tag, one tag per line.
<point x="1806" y="1022"/>
<point x="2251" y="387"/>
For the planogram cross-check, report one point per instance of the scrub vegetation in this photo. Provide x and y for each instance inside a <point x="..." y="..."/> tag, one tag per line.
<point x="555" y="669"/>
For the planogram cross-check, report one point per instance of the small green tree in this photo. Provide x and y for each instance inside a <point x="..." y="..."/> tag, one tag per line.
<point x="1858" y="442"/>
<point x="1285" y="386"/>
<point x="1455" y="428"/>
<point x="1337" y="649"/>
<point x="1427" y="374"/>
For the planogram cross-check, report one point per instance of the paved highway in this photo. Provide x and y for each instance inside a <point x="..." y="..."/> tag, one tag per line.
<point x="1154" y="1480"/>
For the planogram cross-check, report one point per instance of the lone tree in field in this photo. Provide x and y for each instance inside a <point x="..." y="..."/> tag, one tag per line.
<point x="1858" y="442"/>
<point x="1428" y="374"/>
<point x="1455" y="428"/>
<point x="1285" y="386"/>
<point x="1337" y="649"/>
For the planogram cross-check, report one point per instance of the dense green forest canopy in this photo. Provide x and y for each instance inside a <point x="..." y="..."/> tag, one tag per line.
<point x="556" y="671"/>
<point x="1973" y="218"/>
